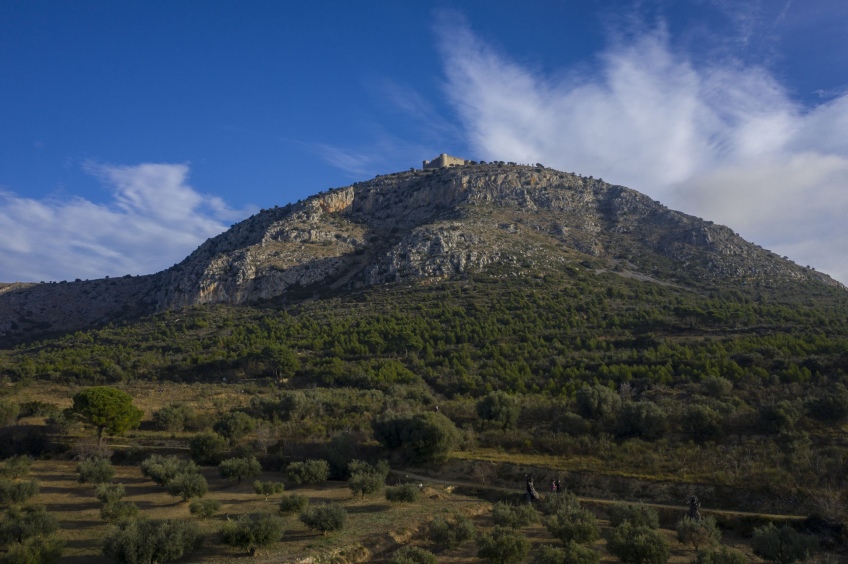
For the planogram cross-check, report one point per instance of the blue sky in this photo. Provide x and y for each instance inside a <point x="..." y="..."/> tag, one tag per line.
<point x="130" y="132"/>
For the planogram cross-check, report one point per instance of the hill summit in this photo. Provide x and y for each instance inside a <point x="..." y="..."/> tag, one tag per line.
<point x="496" y="219"/>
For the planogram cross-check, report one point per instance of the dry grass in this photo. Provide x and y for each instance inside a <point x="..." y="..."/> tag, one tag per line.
<point x="374" y="525"/>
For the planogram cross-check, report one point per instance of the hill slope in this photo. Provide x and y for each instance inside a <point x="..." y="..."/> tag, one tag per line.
<point x="421" y="225"/>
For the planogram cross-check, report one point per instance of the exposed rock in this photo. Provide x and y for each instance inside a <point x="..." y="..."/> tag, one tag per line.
<point x="414" y="225"/>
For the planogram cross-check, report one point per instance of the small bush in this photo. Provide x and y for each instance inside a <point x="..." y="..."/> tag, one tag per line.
<point x="553" y="503"/>
<point x="35" y="551"/>
<point x="173" y="417"/>
<point x="108" y="493"/>
<point x="152" y="541"/>
<point x="723" y="555"/>
<point x="187" y="486"/>
<point x="413" y="555"/>
<point x="250" y="532"/>
<point x="365" y="482"/>
<point x="503" y="546"/>
<point x="95" y="471"/>
<point x="404" y="493"/>
<point x="293" y="503"/>
<point x="451" y="532"/>
<point x="15" y="493"/>
<point x="204" y="508"/>
<point x="234" y="426"/>
<point x="571" y="553"/>
<point x="207" y="448"/>
<point x="637" y="514"/>
<point x="638" y="545"/>
<point x="26" y="523"/>
<point x="309" y="472"/>
<point x="784" y="545"/>
<point x="163" y="469"/>
<point x="501" y="408"/>
<point x="118" y="511"/>
<point x="573" y="524"/>
<point x="268" y="489"/>
<point x="239" y="469"/>
<point x="514" y="516"/>
<point x="324" y="518"/>
<point x="642" y="419"/>
<point x="8" y="412"/>
<point x="698" y="533"/>
<point x="16" y="467"/>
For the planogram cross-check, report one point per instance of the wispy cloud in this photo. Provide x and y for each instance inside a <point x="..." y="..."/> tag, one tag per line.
<point x="721" y="139"/>
<point x="155" y="219"/>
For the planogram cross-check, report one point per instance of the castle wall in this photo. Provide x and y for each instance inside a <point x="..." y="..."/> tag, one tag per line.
<point x="444" y="161"/>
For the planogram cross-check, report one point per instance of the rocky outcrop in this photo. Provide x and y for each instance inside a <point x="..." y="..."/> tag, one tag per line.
<point x="418" y="225"/>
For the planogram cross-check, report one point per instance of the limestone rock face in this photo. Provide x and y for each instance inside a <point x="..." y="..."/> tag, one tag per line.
<point x="418" y="225"/>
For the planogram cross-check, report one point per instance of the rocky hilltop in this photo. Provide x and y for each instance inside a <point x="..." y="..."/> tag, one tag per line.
<point x="487" y="218"/>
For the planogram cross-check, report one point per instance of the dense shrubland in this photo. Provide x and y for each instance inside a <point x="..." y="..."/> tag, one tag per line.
<point x="734" y="388"/>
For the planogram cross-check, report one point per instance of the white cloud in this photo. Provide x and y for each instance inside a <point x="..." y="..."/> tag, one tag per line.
<point x="154" y="220"/>
<point x="723" y="140"/>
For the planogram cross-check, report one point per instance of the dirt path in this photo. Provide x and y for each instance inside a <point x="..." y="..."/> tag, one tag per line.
<point x="602" y="501"/>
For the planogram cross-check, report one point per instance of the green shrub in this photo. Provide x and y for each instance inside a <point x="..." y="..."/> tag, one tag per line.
<point x="268" y="489"/>
<point x="207" y="448"/>
<point x="8" y="412"/>
<point x="152" y="541"/>
<point x="25" y="523"/>
<point x="118" y="511"/>
<point x="503" y="546"/>
<point x="404" y="493"/>
<point x="597" y="402"/>
<point x="571" y="553"/>
<point x="413" y="555"/>
<point x="424" y="437"/>
<point x="723" y="555"/>
<point x="643" y="419"/>
<point x="501" y="408"/>
<point x="309" y="472"/>
<point x="35" y="551"/>
<point x="173" y="417"/>
<point x="638" y="545"/>
<point x="239" y="469"/>
<point x="95" y="471"/>
<point x="324" y="518"/>
<point x="163" y="469"/>
<point x="830" y="405"/>
<point x="234" y="425"/>
<point x="553" y="503"/>
<point x="16" y="467"/>
<point x="250" y="532"/>
<point x="365" y="478"/>
<point x="784" y="545"/>
<point x="15" y="493"/>
<point x="293" y="503"/>
<point x="637" y="514"/>
<point x="204" y="508"/>
<point x="702" y="423"/>
<point x="108" y="493"/>
<point x="187" y="485"/>
<point x="514" y="516"/>
<point x="698" y="533"/>
<point x="573" y="524"/>
<point x="452" y="531"/>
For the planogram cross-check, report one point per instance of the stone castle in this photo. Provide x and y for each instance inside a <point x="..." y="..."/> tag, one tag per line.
<point x="444" y="161"/>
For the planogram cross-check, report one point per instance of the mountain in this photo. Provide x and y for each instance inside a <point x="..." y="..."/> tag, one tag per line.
<point x="497" y="219"/>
